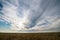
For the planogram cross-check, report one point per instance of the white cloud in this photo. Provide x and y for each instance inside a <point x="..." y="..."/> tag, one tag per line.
<point x="36" y="10"/>
<point x="53" y="23"/>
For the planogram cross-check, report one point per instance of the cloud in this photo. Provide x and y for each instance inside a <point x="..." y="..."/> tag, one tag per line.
<point x="51" y="23"/>
<point x="32" y="14"/>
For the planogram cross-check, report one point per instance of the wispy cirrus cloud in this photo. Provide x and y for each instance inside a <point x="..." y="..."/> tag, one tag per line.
<point x="32" y="14"/>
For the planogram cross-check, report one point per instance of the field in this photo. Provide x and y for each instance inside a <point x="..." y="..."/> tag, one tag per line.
<point x="30" y="36"/>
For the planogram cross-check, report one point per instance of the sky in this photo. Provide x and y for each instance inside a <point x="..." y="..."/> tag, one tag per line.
<point x="29" y="15"/>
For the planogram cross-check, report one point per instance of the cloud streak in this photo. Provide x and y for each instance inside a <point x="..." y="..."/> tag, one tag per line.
<point x="31" y="14"/>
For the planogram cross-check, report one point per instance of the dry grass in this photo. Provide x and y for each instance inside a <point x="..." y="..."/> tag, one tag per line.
<point x="30" y="36"/>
